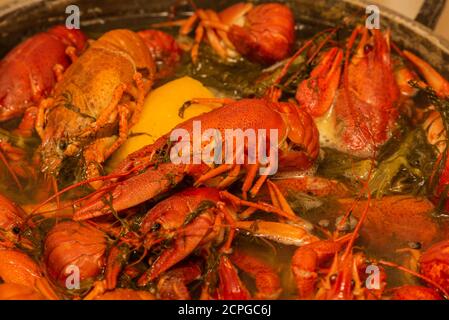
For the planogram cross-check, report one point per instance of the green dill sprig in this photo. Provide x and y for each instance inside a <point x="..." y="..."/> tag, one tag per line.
<point x="203" y="206"/>
<point x="441" y="105"/>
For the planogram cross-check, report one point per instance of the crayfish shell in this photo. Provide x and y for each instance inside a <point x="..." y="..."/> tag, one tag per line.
<point x="415" y="293"/>
<point x="268" y="34"/>
<point x="12" y="217"/>
<point x="70" y="245"/>
<point x="434" y="264"/>
<point x="13" y="291"/>
<point x="126" y="294"/>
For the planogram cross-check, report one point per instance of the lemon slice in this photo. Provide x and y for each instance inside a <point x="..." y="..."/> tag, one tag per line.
<point x="160" y="114"/>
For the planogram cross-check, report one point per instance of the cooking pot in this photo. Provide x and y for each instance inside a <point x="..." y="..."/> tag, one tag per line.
<point x="20" y="19"/>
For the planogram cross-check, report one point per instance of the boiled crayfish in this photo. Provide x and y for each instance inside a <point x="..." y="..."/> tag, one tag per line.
<point x="193" y="219"/>
<point x="104" y="89"/>
<point x="18" y="271"/>
<point x="12" y="221"/>
<point x="28" y="74"/>
<point x="74" y="244"/>
<point x="263" y="33"/>
<point x="150" y="172"/>
<point x="434" y="124"/>
<point x="357" y="116"/>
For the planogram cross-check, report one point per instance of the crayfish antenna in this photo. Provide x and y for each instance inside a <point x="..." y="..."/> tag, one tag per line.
<point x="10" y="170"/>
<point x="54" y="183"/>
<point x="342" y="288"/>
<point x="59" y="193"/>
<point x="301" y="50"/>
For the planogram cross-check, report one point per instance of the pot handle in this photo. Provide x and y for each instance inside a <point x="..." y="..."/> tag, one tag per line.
<point x="430" y="12"/>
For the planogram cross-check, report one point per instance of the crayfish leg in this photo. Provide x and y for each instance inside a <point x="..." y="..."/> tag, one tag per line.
<point x="185" y="242"/>
<point x="268" y="283"/>
<point x="433" y="78"/>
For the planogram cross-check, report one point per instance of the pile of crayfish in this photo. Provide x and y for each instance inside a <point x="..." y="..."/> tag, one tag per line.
<point x="356" y="210"/>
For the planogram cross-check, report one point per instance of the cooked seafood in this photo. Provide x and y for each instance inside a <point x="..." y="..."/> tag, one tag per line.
<point x="263" y="33"/>
<point x="297" y="138"/>
<point x="101" y="89"/>
<point x="349" y="203"/>
<point x="27" y="75"/>
<point x="29" y="72"/>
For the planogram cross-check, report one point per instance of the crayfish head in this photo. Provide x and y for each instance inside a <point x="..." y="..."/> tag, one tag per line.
<point x="370" y="71"/>
<point x="54" y="152"/>
<point x="12" y="219"/>
<point x="317" y="93"/>
<point x="301" y="145"/>
<point x="434" y="264"/>
<point x="343" y="279"/>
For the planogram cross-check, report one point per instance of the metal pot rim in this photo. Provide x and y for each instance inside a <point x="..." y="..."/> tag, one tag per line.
<point x="10" y="6"/>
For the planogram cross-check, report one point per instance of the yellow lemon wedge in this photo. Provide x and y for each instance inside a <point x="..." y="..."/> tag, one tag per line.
<point x="160" y="114"/>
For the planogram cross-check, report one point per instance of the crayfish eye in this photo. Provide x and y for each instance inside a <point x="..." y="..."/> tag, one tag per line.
<point x="16" y="230"/>
<point x="352" y="284"/>
<point x="134" y="255"/>
<point x="297" y="148"/>
<point x="155" y="227"/>
<point x="368" y="48"/>
<point x="63" y="145"/>
<point x="333" y="278"/>
<point x="415" y="245"/>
